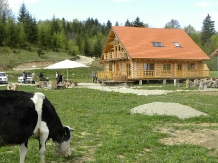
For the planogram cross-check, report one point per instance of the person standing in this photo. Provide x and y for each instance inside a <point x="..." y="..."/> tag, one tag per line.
<point x="94" y="76"/>
<point x="24" y="77"/>
<point x="33" y="75"/>
<point x="57" y="77"/>
<point x="40" y="75"/>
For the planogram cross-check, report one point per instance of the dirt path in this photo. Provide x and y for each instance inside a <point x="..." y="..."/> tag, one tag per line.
<point x="38" y="64"/>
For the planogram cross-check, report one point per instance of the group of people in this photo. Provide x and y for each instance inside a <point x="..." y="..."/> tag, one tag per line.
<point x="33" y="75"/>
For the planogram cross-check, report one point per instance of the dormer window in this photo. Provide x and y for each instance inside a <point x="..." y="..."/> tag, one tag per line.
<point x="176" y="44"/>
<point x="157" y="44"/>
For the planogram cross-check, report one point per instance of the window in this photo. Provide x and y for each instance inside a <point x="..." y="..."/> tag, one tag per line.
<point x="191" y="66"/>
<point x="166" y="67"/>
<point x="157" y="44"/>
<point x="176" y="44"/>
<point x="179" y="67"/>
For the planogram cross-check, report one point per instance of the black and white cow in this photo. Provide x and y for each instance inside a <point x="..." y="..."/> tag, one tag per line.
<point x="24" y="115"/>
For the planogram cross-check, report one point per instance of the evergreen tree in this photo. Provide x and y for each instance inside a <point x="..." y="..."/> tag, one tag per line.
<point x="64" y="26"/>
<point x="128" y="24"/>
<point x="208" y="29"/>
<point x="32" y="30"/>
<point x="22" y="35"/>
<point x="11" y="33"/>
<point x="54" y="25"/>
<point x="97" y="48"/>
<point x="108" y="27"/>
<point x="138" y="23"/>
<point x="87" y="50"/>
<point x="23" y="15"/>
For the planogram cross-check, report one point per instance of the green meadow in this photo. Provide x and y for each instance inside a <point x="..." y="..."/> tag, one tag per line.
<point x="106" y="131"/>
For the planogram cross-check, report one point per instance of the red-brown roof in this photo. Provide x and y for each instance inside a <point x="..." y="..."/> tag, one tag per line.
<point x="138" y="43"/>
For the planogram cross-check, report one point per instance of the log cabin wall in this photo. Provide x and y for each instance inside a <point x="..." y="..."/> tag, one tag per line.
<point x="139" y="70"/>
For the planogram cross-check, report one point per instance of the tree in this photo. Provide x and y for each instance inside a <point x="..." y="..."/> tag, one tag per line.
<point x="2" y="33"/>
<point x="4" y="8"/>
<point x="173" y="24"/>
<point x="22" y="35"/>
<point x="72" y="48"/>
<point x="97" y="48"/>
<point x="138" y="23"/>
<point x="128" y="24"/>
<point x="23" y="15"/>
<point x="189" y="30"/>
<point x="208" y="29"/>
<point x="196" y="37"/>
<point x="11" y="33"/>
<point x="4" y="17"/>
<point x="32" y="30"/>
<point x="108" y="27"/>
<point x="54" y="25"/>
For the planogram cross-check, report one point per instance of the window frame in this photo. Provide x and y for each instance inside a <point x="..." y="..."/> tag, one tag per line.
<point x="157" y="44"/>
<point x="166" y="67"/>
<point x="177" y="44"/>
<point x="191" y="66"/>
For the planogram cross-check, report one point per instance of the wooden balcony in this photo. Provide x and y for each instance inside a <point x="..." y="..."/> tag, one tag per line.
<point x="115" y="55"/>
<point x="152" y="75"/>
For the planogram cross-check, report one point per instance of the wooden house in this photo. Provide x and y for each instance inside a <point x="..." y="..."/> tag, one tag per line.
<point x="137" y="54"/>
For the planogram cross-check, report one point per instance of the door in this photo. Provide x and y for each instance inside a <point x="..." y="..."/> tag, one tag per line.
<point x="148" y="69"/>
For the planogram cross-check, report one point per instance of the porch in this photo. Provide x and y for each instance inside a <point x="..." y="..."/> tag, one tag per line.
<point x="151" y="75"/>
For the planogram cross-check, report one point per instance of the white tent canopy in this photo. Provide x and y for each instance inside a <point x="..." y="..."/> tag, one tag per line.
<point x="66" y="64"/>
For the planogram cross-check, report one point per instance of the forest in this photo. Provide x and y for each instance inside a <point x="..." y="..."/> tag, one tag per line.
<point x="82" y="37"/>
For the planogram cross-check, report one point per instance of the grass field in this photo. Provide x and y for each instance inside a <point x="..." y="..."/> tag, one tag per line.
<point x="107" y="132"/>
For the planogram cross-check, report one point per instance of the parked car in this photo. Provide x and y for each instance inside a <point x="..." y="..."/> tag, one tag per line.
<point x="28" y="80"/>
<point x="3" y="78"/>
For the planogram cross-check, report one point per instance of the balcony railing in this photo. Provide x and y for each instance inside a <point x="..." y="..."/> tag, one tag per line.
<point x="115" y="55"/>
<point x="152" y="74"/>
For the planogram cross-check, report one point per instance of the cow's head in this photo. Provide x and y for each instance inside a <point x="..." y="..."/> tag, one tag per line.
<point x="64" y="147"/>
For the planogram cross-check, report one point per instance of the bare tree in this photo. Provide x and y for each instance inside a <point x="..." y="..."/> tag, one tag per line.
<point x="4" y="8"/>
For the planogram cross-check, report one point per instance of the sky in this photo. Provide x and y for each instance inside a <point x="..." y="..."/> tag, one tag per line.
<point x="155" y="13"/>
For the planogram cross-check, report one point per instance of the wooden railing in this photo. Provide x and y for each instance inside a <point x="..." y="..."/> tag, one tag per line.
<point x="115" y="55"/>
<point x="155" y="74"/>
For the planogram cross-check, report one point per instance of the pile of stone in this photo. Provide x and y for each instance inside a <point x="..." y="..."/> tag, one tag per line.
<point x="205" y="83"/>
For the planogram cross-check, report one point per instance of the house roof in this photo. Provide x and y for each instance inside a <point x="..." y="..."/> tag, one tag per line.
<point x="138" y="43"/>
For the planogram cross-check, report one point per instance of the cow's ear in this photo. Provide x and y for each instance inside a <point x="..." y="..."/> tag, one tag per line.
<point x="66" y="133"/>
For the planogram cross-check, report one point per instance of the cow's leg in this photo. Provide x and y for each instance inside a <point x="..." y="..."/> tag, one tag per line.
<point x="23" y="151"/>
<point x="44" y="132"/>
